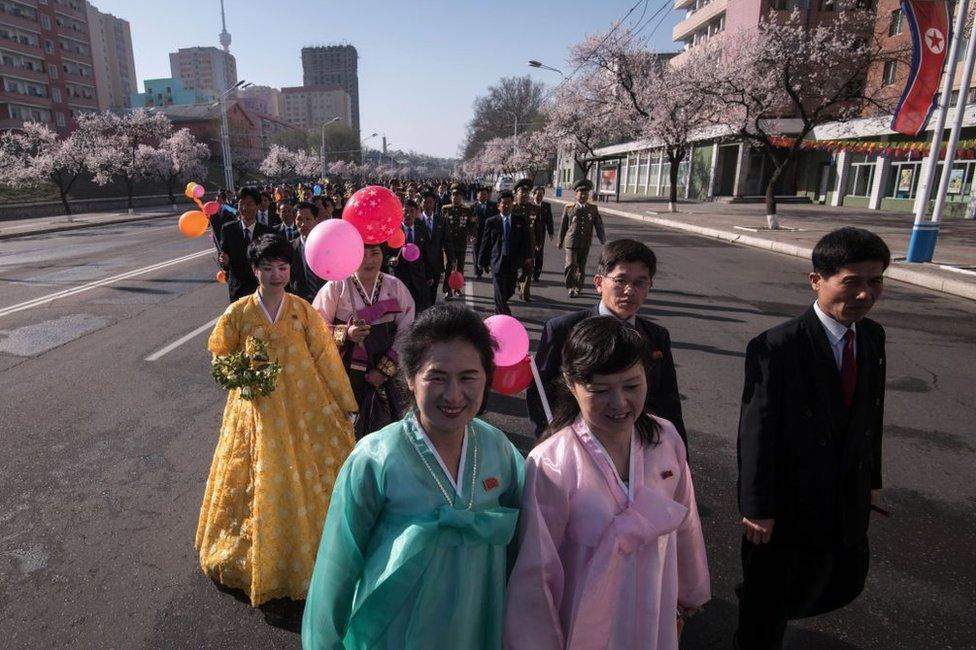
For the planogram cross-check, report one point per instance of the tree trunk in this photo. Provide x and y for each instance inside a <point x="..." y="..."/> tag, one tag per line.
<point x="64" y="200"/>
<point x="673" y="190"/>
<point x="170" y="189"/>
<point x="771" y="219"/>
<point x="130" y="188"/>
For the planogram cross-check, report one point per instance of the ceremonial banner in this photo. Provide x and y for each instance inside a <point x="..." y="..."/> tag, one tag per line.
<point x="928" y="21"/>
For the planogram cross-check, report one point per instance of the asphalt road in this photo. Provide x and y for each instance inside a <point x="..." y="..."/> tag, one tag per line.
<point x="105" y="454"/>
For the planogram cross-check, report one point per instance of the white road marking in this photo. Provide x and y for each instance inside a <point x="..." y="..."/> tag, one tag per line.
<point x="469" y="292"/>
<point x="180" y="341"/>
<point x="43" y="300"/>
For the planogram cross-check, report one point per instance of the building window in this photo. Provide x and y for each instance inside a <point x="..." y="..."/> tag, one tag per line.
<point x="895" y="26"/>
<point x="861" y="178"/>
<point x="59" y="119"/>
<point x="53" y="71"/>
<point x="49" y="47"/>
<point x="56" y="95"/>
<point x="889" y="72"/>
<point x="45" y="21"/>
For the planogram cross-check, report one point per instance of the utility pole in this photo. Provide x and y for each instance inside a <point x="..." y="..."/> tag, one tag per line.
<point x="224" y="129"/>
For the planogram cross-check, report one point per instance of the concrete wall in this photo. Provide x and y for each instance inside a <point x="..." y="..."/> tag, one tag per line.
<point x="14" y="211"/>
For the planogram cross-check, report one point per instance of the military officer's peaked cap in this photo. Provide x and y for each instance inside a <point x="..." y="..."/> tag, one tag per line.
<point x="504" y="194"/>
<point x="455" y="187"/>
<point x="583" y="184"/>
<point x="523" y="183"/>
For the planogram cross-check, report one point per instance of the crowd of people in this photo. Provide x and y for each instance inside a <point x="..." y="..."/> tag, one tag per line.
<point x="367" y="486"/>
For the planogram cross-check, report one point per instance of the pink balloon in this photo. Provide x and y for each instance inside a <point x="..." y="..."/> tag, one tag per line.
<point x="334" y="249"/>
<point x="411" y="252"/>
<point x="512" y="339"/>
<point x="210" y="208"/>
<point x="375" y="211"/>
<point x="199" y="191"/>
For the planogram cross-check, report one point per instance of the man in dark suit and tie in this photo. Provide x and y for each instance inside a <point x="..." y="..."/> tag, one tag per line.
<point x="235" y="237"/>
<point x="809" y="448"/>
<point x="545" y="216"/>
<point x="483" y="208"/>
<point x="304" y="282"/>
<point x="624" y="276"/>
<point x="267" y="213"/>
<point x="438" y="248"/>
<point x="287" y="228"/>
<point x="506" y="249"/>
<point x="413" y="274"/>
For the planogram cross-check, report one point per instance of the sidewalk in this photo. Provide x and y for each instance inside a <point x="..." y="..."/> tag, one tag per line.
<point x="953" y="271"/>
<point x="44" y="225"/>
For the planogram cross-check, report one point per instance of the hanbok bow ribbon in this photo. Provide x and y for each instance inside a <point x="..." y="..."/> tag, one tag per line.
<point x="646" y="519"/>
<point x="494" y="526"/>
<point x="372" y="313"/>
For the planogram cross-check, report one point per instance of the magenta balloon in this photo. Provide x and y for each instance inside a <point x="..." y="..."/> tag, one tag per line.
<point x="411" y="252"/>
<point x="334" y="249"/>
<point x="199" y="191"/>
<point x="512" y="339"/>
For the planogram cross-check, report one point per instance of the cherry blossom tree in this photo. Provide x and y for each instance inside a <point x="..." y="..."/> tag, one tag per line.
<point x="35" y="155"/>
<point x="184" y="156"/>
<point x="809" y="74"/>
<point x="117" y="149"/>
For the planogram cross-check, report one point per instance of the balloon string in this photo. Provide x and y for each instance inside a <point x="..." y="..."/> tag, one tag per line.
<point x="542" y="391"/>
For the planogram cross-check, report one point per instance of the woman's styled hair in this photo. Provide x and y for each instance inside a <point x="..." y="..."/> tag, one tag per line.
<point x="601" y="345"/>
<point x="443" y="323"/>
<point x="269" y="247"/>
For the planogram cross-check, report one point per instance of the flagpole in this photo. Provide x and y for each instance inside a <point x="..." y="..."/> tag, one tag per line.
<point x="922" y="244"/>
<point x="967" y="76"/>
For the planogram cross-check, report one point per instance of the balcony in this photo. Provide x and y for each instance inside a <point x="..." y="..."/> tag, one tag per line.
<point x="683" y="4"/>
<point x="683" y="57"/>
<point x="694" y="22"/>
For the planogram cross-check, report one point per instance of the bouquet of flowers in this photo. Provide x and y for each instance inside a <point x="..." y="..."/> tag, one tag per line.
<point x="251" y="370"/>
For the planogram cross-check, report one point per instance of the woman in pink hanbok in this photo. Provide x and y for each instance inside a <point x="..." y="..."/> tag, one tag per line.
<point x="611" y="552"/>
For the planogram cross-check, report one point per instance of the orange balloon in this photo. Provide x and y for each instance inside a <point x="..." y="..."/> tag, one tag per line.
<point x="221" y="277"/>
<point x="193" y="224"/>
<point x="397" y="239"/>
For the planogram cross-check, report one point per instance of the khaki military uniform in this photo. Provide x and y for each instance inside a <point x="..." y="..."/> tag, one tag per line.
<point x="462" y="225"/>
<point x="537" y="236"/>
<point x="575" y="235"/>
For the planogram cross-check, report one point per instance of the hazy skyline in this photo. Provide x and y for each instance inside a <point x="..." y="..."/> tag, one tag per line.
<point x="421" y="65"/>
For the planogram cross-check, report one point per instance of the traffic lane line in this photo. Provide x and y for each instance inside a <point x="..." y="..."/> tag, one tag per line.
<point x="43" y="300"/>
<point x="166" y="349"/>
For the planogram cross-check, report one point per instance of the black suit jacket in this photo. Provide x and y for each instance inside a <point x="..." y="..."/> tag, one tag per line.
<point x="303" y="282"/>
<point x="280" y="229"/>
<point x="438" y="246"/>
<point x="804" y="459"/>
<point x="240" y="278"/>
<point x="481" y="213"/>
<point x="662" y="380"/>
<point x="414" y="274"/>
<point x="520" y="245"/>
<point x="545" y="214"/>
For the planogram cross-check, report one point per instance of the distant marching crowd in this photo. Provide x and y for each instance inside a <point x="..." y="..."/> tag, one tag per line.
<point x="362" y="493"/>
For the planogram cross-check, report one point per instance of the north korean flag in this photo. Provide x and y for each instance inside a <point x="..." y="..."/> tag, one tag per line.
<point x="929" y="22"/>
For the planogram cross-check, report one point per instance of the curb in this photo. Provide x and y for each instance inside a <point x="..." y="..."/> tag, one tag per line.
<point x="896" y="271"/>
<point x="79" y="225"/>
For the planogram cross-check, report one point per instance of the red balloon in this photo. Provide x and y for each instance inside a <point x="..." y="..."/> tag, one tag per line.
<point x="375" y="211"/>
<point x="511" y="380"/>
<point x="210" y="208"/>
<point x="455" y="280"/>
<point x="397" y="239"/>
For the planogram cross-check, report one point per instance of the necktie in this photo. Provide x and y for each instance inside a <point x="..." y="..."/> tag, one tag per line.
<point x="247" y="238"/>
<point x="848" y="369"/>
<point x="409" y="234"/>
<point x="505" y="233"/>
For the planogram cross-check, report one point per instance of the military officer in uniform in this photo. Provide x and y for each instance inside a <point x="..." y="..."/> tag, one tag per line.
<point x="576" y="234"/>
<point x="462" y="226"/>
<point x="530" y="213"/>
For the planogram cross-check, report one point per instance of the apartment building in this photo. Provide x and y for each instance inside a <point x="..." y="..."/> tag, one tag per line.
<point x="308" y="107"/>
<point x="334" y="65"/>
<point x="208" y="69"/>
<point x="112" y="58"/>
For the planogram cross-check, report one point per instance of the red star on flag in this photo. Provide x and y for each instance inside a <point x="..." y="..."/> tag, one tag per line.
<point x="935" y="40"/>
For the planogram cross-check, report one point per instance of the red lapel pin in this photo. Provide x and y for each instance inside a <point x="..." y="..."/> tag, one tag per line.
<point x="667" y="474"/>
<point x="490" y="483"/>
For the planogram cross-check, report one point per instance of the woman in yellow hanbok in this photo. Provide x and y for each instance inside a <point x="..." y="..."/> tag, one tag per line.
<point x="278" y="455"/>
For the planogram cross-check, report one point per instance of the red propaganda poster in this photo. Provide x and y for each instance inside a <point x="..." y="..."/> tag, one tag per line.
<point x="928" y="21"/>
<point x="608" y="180"/>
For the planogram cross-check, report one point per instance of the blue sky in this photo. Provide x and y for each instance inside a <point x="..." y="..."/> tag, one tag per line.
<point x="421" y="64"/>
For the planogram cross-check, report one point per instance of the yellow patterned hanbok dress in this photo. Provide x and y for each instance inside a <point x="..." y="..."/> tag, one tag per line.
<point x="277" y="457"/>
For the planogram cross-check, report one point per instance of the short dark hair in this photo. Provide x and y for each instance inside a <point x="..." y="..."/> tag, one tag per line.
<point x="252" y="192"/>
<point x="848" y="245"/>
<point x="622" y="251"/>
<point x="269" y="247"/>
<point x="410" y="203"/>
<point x="442" y="323"/>
<point x="601" y="345"/>
<point x="305" y="205"/>
<point x="327" y="199"/>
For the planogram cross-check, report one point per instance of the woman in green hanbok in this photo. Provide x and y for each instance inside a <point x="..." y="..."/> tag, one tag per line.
<point x="414" y="553"/>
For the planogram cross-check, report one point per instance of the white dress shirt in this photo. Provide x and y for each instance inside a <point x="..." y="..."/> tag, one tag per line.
<point x="835" y="334"/>
<point x="605" y="311"/>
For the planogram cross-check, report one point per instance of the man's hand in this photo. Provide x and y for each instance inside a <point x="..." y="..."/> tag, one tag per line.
<point x="223" y="259"/>
<point x="757" y="531"/>
<point x="375" y="378"/>
<point x="357" y="333"/>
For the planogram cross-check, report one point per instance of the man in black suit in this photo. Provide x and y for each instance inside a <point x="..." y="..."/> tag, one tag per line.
<point x="809" y="449"/>
<point x="304" y="282"/>
<point x="506" y="248"/>
<point x="267" y="212"/>
<point x="623" y="279"/>
<point x="438" y="247"/>
<point x="545" y="216"/>
<point x="287" y="228"/>
<point x="235" y="237"/>
<point x="413" y="274"/>
<point x="483" y="208"/>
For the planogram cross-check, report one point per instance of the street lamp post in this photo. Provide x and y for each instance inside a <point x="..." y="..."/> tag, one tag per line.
<point x="362" y="149"/>
<point x="322" y="149"/>
<point x="225" y="135"/>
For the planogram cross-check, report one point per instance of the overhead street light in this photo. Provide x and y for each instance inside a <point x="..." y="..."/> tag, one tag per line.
<point x="362" y="149"/>
<point x="322" y="148"/>
<point x="225" y="133"/>
<point x="538" y="64"/>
